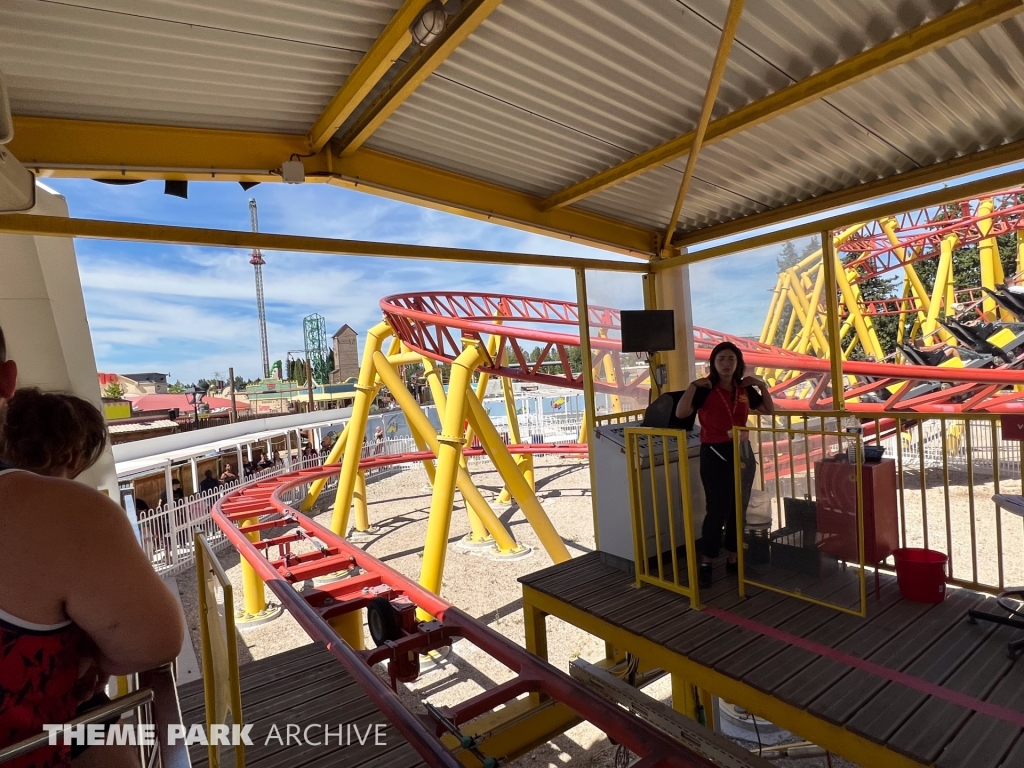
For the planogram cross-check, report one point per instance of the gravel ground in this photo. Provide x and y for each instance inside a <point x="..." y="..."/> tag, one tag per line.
<point x="484" y="588"/>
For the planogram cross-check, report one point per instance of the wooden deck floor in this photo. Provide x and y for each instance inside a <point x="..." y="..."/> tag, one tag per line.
<point x="934" y="643"/>
<point x="303" y="686"/>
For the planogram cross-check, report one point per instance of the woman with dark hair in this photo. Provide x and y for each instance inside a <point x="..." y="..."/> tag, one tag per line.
<point x="51" y="434"/>
<point x="79" y="600"/>
<point x="724" y="400"/>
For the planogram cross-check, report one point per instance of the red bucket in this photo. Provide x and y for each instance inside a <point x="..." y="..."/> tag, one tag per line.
<point x="921" y="574"/>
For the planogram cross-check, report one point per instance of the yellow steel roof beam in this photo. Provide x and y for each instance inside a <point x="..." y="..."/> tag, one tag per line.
<point x="368" y="72"/>
<point x="732" y="21"/>
<point x="415" y="72"/>
<point x="98" y="150"/>
<point x="60" y="226"/>
<point x="935" y="34"/>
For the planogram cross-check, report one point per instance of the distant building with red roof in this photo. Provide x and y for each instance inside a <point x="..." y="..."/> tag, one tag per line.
<point x="146" y="405"/>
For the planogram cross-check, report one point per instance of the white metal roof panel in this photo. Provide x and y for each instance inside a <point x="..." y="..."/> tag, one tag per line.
<point x="263" y="65"/>
<point x="544" y="93"/>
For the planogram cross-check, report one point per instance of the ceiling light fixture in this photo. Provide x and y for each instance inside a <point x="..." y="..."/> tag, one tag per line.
<point x="429" y="25"/>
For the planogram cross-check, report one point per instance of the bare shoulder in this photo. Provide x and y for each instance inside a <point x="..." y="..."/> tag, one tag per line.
<point x="77" y="507"/>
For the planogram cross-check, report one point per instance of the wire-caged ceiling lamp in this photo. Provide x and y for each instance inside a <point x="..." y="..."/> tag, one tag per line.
<point x="431" y="22"/>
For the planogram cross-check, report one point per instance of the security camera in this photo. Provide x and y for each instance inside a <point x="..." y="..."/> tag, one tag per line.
<point x="17" y="184"/>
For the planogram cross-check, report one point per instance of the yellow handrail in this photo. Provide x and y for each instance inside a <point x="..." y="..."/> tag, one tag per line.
<point x="220" y="654"/>
<point x="675" y="504"/>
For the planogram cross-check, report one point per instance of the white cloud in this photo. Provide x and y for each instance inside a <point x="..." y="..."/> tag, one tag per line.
<point x="191" y="311"/>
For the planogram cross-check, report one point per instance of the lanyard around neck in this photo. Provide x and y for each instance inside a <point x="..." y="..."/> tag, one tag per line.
<point x="732" y="407"/>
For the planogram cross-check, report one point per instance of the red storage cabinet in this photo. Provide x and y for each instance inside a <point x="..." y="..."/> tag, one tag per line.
<point x="835" y="487"/>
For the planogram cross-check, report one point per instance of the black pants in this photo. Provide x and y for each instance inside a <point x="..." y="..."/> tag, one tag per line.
<point x="716" y="475"/>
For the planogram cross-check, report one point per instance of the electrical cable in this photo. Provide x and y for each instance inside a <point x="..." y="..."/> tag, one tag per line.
<point x="758" y="732"/>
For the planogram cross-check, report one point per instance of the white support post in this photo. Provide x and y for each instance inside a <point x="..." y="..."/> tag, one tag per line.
<point x="288" y="450"/>
<point x="239" y="472"/>
<point x="172" y="519"/>
<point x="195" y="472"/>
<point x="672" y="288"/>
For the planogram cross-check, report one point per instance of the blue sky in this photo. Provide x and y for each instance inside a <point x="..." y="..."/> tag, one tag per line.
<point x="191" y="312"/>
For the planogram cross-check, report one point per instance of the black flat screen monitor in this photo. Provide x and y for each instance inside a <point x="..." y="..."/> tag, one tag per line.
<point x="648" y="330"/>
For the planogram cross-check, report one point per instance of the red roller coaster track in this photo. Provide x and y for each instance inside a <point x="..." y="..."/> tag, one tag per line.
<point x="372" y="580"/>
<point x="434" y="325"/>
<point x="919" y="233"/>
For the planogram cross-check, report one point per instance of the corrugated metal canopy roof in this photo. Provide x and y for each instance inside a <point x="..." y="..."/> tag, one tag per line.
<point x="543" y="94"/>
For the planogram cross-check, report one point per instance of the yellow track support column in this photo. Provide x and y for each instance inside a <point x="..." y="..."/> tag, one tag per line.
<point x="357" y="428"/>
<point x="349" y="627"/>
<point x="256" y="611"/>
<point x="420" y="426"/>
<point x="524" y="460"/>
<point x="991" y="265"/>
<point x="337" y="450"/>
<point x="917" y="289"/>
<point x="521" y="491"/>
<point x="609" y="376"/>
<point x="484" y="378"/>
<point x="448" y="466"/>
<point x="478" y="533"/>
<point x="812" y="314"/>
<point x="943" y="279"/>
<point x="684" y="696"/>
<point x="863" y="325"/>
<point x="359" y="497"/>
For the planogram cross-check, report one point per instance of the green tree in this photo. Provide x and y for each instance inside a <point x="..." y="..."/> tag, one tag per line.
<point x="576" y="359"/>
<point x="177" y="388"/>
<point x="113" y="390"/>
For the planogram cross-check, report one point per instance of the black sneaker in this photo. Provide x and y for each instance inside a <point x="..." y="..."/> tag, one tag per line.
<point x="732" y="568"/>
<point x="704" y="575"/>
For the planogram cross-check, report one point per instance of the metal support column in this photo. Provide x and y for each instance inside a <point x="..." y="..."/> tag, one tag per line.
<point x="589" y="412"/>
<point x="828" y="257"/>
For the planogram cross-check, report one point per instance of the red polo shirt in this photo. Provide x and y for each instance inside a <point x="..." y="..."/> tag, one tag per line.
<point x="720" y="410"/>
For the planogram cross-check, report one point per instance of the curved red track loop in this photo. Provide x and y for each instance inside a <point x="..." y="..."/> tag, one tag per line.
<point x="312" y="609"/>
<point x="434" y="325"/>
<point x="921" y="232"/>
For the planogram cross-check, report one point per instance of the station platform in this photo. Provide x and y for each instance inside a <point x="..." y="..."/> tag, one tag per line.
<point x="798" y="664"/>
<point x="303" y="686"/>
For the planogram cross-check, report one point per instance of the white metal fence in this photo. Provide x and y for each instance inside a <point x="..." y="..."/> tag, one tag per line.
<point x="167" y="533"/>
<point x="947" y="445"/>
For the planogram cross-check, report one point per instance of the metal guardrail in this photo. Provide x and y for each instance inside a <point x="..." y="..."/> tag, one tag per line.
<point x="806" y="532"/>
<point x="659" y="494"/>
<point x="948" y="468"/>
<point x="622" y="417"/>
<point x="664" y="539"/>
<point x="221" y="683"/>
<point x="155" y="702"/>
